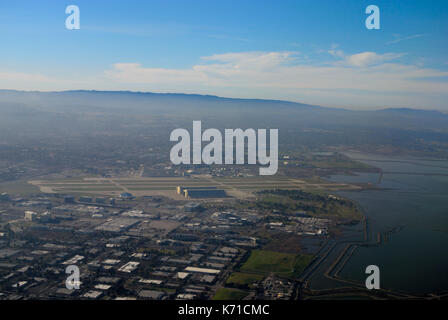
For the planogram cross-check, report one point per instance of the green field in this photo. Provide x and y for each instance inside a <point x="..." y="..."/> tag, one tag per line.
<point x="229" y="294"/>
<point x="286" y="265"/>
<point x="314" y="203"/>
<point x="243" y="279"/>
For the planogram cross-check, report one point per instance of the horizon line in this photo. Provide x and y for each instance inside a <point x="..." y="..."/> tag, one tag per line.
<point x="222" y="97"/>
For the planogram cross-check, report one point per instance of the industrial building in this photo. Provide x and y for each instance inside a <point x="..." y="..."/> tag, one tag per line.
<point x="4" y="197"/>
<point x="69" y="199"/>
<point x="202" y="270"/>
<point x="192" y="207"/>
<point x="201" y="192"/>
<point x="126" y="196"/>
<point x="181" y="190"/>
<point x="30" y="216"/>
<point x="85" y="199"/>
<point x="117" y="225"/>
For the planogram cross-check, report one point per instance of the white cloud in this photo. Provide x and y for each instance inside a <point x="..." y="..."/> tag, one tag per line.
<point x="368" y="58"/>
<point x="362" y="80"/>
<point x="336" y="53"/>
<point x="362" y="59"/>
<point x="400" y="39"/>
<point x="278" y="70"/>
<point x="23" y="77"/>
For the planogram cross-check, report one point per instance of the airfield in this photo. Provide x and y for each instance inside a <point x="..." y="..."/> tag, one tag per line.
<point x="239" y="187"/>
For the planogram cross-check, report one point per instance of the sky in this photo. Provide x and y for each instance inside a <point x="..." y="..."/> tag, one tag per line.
<point x="311" y="51"/>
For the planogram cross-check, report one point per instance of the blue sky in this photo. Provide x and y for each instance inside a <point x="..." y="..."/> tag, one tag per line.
<point x="316" y="52"/>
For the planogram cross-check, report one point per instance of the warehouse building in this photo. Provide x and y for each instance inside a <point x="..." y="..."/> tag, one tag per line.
<point x="201" y="192"/>
<point x="202" y="270"/>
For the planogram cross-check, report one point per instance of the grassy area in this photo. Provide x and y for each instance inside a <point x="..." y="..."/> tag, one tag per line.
<point x="18" y="188"/>
<point x="340" y="164"/>
<point x="90" y="189"/>
<point x="163" y="184"/>
<point x="314" y="203"/>
<point x="243" y="279"/>
<point x="282" y="264"/>
<point x="229" y="294"/>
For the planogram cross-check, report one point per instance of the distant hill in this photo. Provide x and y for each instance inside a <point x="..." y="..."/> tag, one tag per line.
<point x="102" y="119"/>
<point x="31" y="105"/>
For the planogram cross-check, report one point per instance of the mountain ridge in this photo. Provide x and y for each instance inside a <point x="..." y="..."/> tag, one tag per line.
<point x="402" y="110"/>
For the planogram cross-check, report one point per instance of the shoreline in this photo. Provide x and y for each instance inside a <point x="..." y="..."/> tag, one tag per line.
<point x="330" y="267"/>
